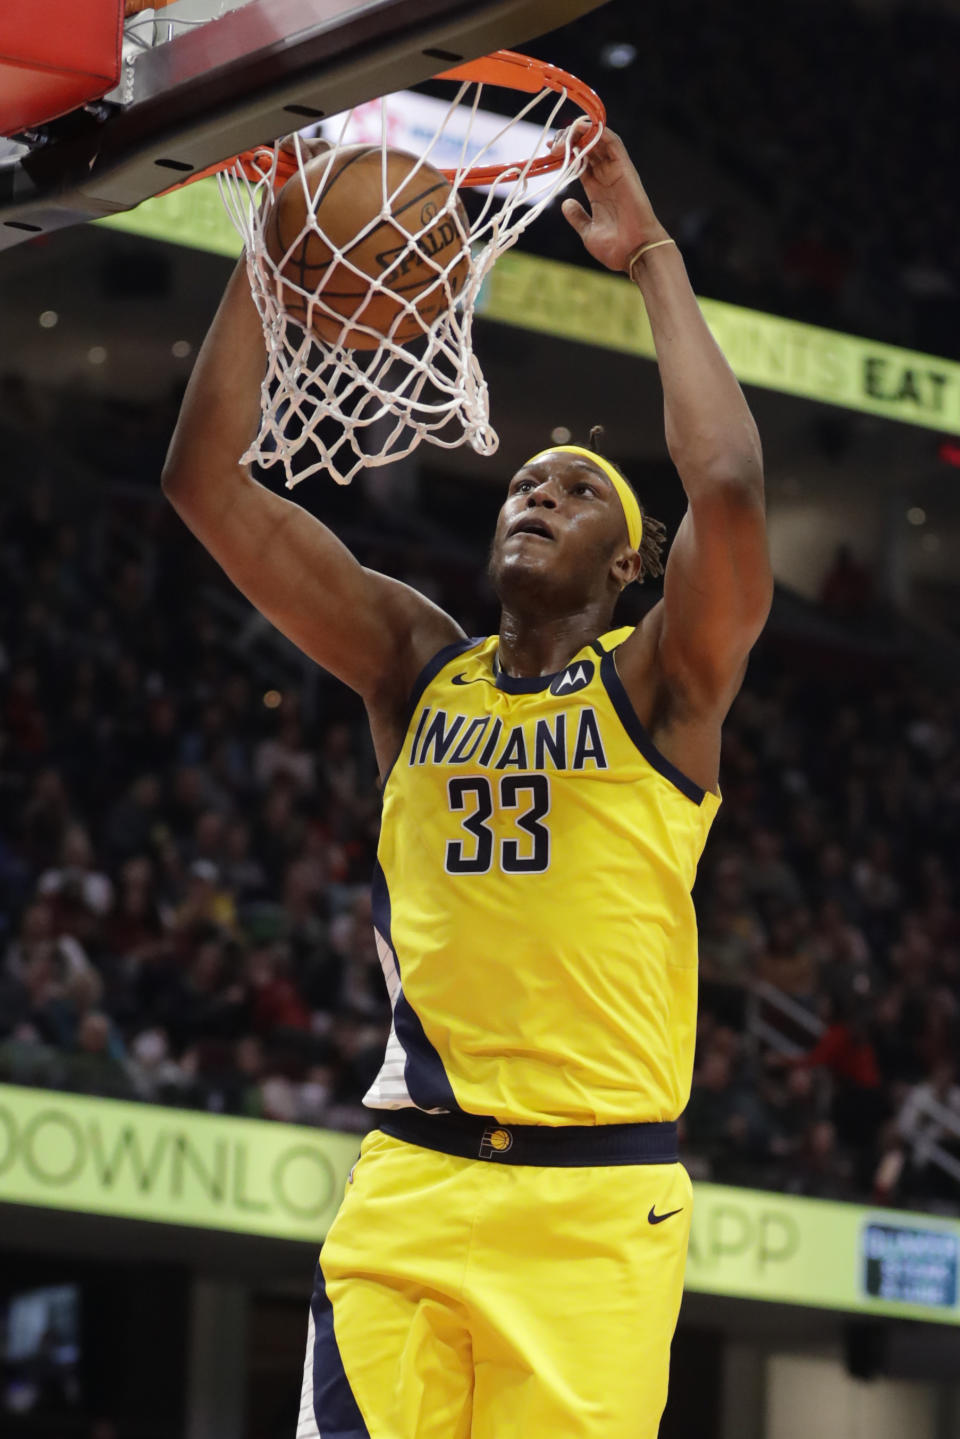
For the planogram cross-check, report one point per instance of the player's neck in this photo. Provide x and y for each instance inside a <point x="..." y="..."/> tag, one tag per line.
<point x="532" y="646"/>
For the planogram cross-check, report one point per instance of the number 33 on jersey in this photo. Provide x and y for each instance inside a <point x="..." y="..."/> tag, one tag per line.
<point x="532" y="898"/>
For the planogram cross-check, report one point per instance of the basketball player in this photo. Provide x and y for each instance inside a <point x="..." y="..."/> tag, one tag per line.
<point x="509" y="1257"/>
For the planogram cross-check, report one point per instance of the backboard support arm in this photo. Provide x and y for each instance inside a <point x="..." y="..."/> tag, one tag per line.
<point x="256" y="73"/>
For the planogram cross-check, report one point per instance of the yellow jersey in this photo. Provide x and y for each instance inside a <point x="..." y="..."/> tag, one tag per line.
<point x="532" y="900"/>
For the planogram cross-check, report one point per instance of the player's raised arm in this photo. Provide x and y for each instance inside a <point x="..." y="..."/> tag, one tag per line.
<point x="372" y="632"/>
<point x="718" y="583"/>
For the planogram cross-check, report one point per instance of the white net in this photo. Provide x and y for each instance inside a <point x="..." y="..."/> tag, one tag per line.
<point x="362" y="367"/>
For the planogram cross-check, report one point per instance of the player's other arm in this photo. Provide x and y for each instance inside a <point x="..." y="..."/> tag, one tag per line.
<point x="372" y="632"/>
<point x="718" y="584"/>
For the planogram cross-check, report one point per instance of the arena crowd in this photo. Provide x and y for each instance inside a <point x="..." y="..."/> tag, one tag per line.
<point x="186" y="846"/>
<point x="834" y="127"/>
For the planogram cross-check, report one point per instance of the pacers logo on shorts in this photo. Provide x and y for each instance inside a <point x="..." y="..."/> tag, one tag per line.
<point x="495" y="1142"/>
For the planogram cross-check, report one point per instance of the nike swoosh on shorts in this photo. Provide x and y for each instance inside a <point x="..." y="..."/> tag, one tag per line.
<point x="653" y="1218"/>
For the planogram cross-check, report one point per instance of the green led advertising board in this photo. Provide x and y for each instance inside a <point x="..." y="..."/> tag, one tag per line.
<point x="593" y="307"/>
<point x="284" y="1181"/>
<point x="751" y="1244"/>
<point x="172" y="1166"/>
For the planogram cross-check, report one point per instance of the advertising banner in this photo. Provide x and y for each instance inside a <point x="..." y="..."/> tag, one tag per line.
<point x="284" y="1181"/>
<point x="173" y="1166"/>
<point x="593" y="307"/>
<point x="752" y="1244"/>
<point x="598" y="308"/>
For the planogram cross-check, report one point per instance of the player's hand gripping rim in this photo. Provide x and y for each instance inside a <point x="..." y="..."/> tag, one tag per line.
<point x="620" y="218"/>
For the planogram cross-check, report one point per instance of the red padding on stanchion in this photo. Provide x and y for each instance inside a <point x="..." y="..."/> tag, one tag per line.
<point x="55" y="57"/>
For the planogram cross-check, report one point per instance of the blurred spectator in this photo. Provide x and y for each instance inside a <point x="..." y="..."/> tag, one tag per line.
<point x="930" y="1116"/>
<point x="821" y="1167"/>
<point x="76" y="877"/>
<point x="154" y="1073"/>
<point x="46" y="814"/>
<point x="132" y="821"/>
<point x="243" y="874"/>
<point x="788" y="959"/>
<point x="856" y="235"/>
<point x="283" y="754"/>
<point x="338" y="764"/>
<point x="846" y="591"/>
<point x="95" y="1066"/>
<point x="925" y="1130"/>
<point x="352" y="937"/>
<point x="275" y="1001"/>
<point x="767" y="876"/>
<point x="795" y="1109"/>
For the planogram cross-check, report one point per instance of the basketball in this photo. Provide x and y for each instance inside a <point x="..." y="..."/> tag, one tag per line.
<point x="304" y="228"/>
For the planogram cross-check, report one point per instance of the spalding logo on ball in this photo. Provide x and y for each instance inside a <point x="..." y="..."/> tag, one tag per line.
<point x="317" y="214"/>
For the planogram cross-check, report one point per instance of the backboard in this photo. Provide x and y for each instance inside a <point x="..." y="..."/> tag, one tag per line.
<point x="232" y="74"/>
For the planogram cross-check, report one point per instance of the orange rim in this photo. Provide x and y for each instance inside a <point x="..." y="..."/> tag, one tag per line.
<point x="504" y="68"/>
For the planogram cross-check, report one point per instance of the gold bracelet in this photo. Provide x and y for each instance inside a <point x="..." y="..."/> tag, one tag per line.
<point x="642" y="251"/>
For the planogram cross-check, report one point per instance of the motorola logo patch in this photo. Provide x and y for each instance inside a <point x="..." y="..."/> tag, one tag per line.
<point x="574" y="677"/>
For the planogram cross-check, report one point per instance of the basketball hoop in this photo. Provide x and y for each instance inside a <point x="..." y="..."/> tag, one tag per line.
<point x="385" y="393"/>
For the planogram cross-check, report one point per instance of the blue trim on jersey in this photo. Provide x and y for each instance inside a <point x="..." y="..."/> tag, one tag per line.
<point x="334" y="1406"/>
<point x="429" y="672"/>
<point x="535" y="684"/>
<point x="628" y="717"/>
<point x="522" y="684"/>
<point x="433" y="667"/>
<point x="424" y="1074"/>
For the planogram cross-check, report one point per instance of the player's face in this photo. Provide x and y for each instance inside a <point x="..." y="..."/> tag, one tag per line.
<point x="560" y="529"/>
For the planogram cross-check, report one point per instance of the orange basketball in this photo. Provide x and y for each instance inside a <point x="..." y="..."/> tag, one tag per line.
<point x="351" y="196"/>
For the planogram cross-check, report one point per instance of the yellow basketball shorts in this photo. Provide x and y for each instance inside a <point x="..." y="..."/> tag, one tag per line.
<point x="457" y="1297"/>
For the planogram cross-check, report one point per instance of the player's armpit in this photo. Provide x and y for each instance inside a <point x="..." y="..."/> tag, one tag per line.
<point x="718" y="588"/>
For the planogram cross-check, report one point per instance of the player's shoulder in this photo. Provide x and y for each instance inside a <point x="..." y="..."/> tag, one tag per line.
<point x="420" y="628"/>
<point x="635" y="645"/>
<point x="461" y="660"/>
<point x="659" y="690"/>
<point x="473" y="655"/>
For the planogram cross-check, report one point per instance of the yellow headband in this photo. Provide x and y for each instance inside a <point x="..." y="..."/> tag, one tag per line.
<point x="628" y="500"/>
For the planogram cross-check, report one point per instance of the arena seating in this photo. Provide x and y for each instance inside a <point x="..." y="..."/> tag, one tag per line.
<point x="835" y="137"/>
